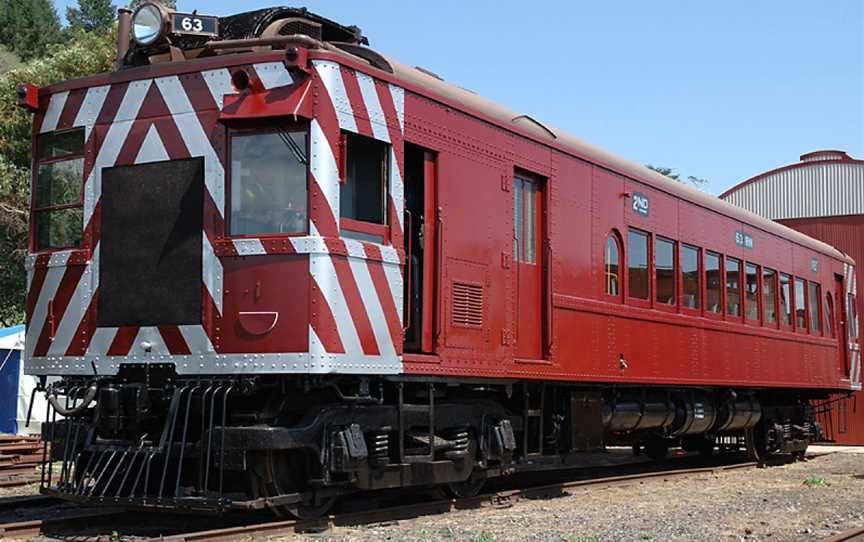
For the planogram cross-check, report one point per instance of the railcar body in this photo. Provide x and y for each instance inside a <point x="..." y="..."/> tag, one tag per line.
<point x="272" y="266"/>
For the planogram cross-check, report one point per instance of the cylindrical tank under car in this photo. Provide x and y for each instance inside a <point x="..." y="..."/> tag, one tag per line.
<point x="738" y="413"/>
<point x="636" y="413"/>
<point x="695" y="413"/>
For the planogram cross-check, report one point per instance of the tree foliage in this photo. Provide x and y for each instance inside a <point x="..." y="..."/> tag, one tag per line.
<point x="133" y="5"/>
<point x="697" y="182"/>
<point x="84" y="53"/>
<point x="29" y="27"/>
<point x="91" y="16"/>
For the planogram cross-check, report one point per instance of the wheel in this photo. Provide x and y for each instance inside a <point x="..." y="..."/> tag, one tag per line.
<point x="754" y="439"/>
<point x="280" y="472"/>
<point x="468" y="488"/>
<point x="657" y="449"/>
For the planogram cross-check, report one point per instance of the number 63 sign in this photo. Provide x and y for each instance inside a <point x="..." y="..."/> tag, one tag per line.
<point x="194" y="24"/>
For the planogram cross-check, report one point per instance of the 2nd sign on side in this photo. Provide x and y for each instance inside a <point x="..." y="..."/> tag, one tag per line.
<point x="743" y="239"/>
<point x="641" y="204"/>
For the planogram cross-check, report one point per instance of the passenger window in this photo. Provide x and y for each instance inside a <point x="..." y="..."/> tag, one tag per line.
<point x="269" y="183"/>
<point x="769" y="296"/>
<point x="691" y="281"/>
<point x="785" y="299"/>
<point x="637" y="265"/>
<point x="525" y="202"/>
<point x="714" y="283"/>
<point x="59" y="218"/>
<point x="752" y="291"/>
<point x="829" y="315"/>
<point x="363" y="195"/>
<point x="815" y="312"/>
<point x="733" y="287"/>
<point x="613" y="285"/>
<point x="800" y="304"/>
<point x="664" y="271"/>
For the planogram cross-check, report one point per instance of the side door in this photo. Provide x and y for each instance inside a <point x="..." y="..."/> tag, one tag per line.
<point x="841" y="318"/>
<point x="528" y="256"/>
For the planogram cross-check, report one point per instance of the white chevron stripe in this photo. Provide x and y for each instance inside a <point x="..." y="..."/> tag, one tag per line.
<point x="52" y="114"/>
<point x="91" y="107"/>
<point x="249" y="247"/>
<point x="40" y="311"/>
<point x="323" y="166"/>
<point x="322" y="269"/>
<point x="101" y="341"/>
<point x="369" y="295"/>
<point x="331" y="76"/>
<point x="194" y="137"/>
<point x="398" y="94"/>
<point x="212" y="270"/>
<point x="196" y="338"/>
<point x="373" y="107"/>
<point x="152" y="149"/>
<point x="273" y="74"/>
<point x="219" y="84"/>
<point x="397" y="189"/>
<point x="77" y="308"/>
<point x="149" y="335"/>
<point x="393" y="272"/>
<point x="114" y="139"/>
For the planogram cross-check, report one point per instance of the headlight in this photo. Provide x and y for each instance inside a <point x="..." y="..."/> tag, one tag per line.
<point x="148" y="24"/>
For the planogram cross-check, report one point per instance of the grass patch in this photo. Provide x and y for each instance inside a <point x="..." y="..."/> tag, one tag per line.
<point x="814" y="481"/>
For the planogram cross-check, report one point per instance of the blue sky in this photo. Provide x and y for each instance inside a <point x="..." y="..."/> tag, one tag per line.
<point x="719" y="90"/>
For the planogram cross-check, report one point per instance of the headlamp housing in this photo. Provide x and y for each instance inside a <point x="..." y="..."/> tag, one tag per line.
<point x="149" y="24"/>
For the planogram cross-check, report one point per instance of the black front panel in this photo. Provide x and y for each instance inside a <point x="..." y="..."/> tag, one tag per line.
<point x="150" y="268"/>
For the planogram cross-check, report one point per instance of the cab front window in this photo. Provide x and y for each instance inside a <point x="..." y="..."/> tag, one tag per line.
<point x="57" y="207"/>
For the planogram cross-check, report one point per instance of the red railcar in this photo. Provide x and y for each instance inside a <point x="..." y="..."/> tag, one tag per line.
<point x="273" y="266"/>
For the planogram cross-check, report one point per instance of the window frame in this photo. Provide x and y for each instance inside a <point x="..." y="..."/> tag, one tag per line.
<point x="700" y="275"/>
<point x="746" y="302"/>
<point x="34" y="180"/>
<point x="667" y="307"/>
<point x="361" y="226"/>
<point x="830" y="315"/>
<point x="806" y="328"/>
<point x="791" y="301"/>
<point x="775" y="300"/>
<point x="740" y="318"/>
<point x="720" y="314"/>
<point x="616" y="236"/>
<point x="229" y="179"/>
<point x="818" y="287"/>
<point x="646" y="302"/>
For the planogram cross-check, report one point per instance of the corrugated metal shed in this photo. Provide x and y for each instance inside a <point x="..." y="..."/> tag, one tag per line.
<point x="821" y="196"/>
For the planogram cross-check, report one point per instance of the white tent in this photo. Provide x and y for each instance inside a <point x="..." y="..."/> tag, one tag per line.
<point x="16" y="388"/>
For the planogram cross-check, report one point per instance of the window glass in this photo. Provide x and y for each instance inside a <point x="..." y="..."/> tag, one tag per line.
<point x="664" y="271"/>
<point x="714" y="282"/>
<point x="769" y="296"/>
<point x="752" y="291"/>
<point x="637" y="265"/>
<point x="815" y="291"/>
<point x="800" y="304"/>
<point x="829" y="315"/>
<point x="691" y="281"/>
<point x="363" y="195"/>
<point x="58" y="216"/>
<point x="853" y="318"/>
<point x="525" y="201"/>
<point x="785" y="299"/>
<point x="268" y="183"/>
<point x="733" y="287"/>
<point x="613" y="286"/>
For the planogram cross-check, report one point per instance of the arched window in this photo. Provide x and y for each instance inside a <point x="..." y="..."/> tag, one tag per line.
<point x="611" y="266"/>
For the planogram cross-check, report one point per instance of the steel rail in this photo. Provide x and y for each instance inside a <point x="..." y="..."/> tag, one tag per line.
<point x="856" y="534"/>
<point x="32" y="528"/>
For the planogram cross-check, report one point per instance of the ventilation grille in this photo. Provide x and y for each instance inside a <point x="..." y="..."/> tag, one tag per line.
<point x="300" y="26"/>
<point x="467" y="305"/>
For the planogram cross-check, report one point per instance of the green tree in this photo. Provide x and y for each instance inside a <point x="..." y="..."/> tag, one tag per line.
<point x="133" y="5"/>
<point x="29" y="27"/>
<point x="697" y="182"/>
<point x="85" y="53"/>
<point x="91" y="16"/>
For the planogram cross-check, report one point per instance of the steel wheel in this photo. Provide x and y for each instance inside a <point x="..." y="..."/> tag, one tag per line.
<point x="279" y="472"/>
<point x="755" y="441"/>
<point x="468" y="488"/>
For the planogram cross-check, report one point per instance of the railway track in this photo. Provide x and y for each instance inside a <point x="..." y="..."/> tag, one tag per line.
<point x="92" y="522"/>
<point x="852" y="535"/>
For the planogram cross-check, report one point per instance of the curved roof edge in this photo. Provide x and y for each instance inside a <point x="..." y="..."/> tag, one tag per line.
<point x="808" y="159"/>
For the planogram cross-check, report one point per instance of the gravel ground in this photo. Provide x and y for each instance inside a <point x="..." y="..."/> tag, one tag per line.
<point x="798" y="502"/>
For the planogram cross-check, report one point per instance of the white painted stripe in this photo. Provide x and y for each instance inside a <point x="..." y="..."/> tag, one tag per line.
<point x="194" y="137"/>
<point x="323" y="166"/>
<point x="398" y="94"/>
<point x="373" y="107"/>
<point x="149" y="336"/>
<point x="393" y="272"/>
<point x="273" y="74"/>
<point x="397" y="189"/>
<point x="331" y="76"/>
<point x="374" y="310"/>
<point x="219" y="84"/>
<point x="322" y="269"/>
<point x="152" y="149"/>
<point x="355" y="248"/>
<point x="197" y="339"/>
<point x="212" y="272"/>
<point x="40" y="311"/>
<point x="91" y="107"/>
<point x="77" y="308"/>
<point x="114" y="139"/>
<point x="52" y="114"/>
<point x="249" y="247"/>
<point x="101" y="341"/>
